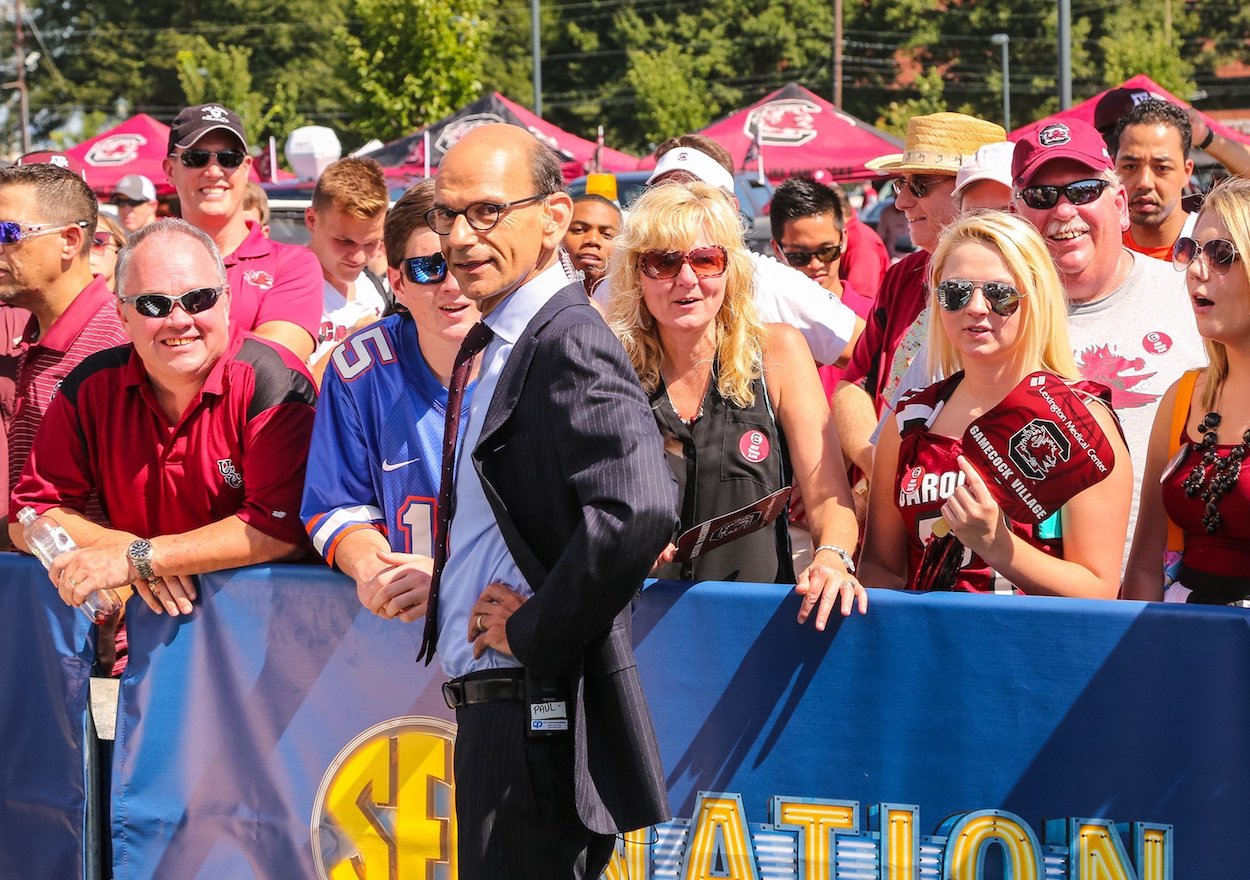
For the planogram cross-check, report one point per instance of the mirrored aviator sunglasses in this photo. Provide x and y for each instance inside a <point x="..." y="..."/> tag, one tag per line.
<point x="430" y="269"/>
<point x="955" y="294"/>
<point x="159" y="305"/>
<point x="1220" y="254"/>
<point x="706" y="262"/>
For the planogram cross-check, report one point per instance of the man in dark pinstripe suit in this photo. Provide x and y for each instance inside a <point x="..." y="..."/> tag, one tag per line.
<point x="562" y="503"/>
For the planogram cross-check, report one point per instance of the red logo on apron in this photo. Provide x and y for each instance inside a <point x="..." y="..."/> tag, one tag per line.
<point x="1156" y="342"/>
<point x="911" y="482"/>
<point x="753" y="446"/>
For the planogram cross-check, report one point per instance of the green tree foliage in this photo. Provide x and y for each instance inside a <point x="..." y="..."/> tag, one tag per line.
<point x="222" y="75"/>
<point x="412" y="62"/>
<point x="1135" y="41"/>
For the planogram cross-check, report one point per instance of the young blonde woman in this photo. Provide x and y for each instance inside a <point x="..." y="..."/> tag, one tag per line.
<point x="999" y="317"/>
<point x="738" y="401"/>
<point x="1195" y="494"/>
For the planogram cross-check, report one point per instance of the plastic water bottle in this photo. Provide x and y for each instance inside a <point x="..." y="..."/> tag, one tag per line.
<point x="47" y="540"/>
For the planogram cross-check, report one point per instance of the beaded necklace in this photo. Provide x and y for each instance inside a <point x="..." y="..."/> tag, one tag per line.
<point x="1224" y="471"/>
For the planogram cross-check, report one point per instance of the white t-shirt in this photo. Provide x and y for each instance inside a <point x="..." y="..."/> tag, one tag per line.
<point x="340" y="315"/>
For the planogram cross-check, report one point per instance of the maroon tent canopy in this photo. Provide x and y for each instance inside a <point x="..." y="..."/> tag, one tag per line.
<point x="1084" y="111"/>
<point x="577" y="153"/>
<point x="800" y="132"/>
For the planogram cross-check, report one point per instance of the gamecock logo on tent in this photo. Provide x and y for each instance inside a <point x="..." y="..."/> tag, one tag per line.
<point x="116" y="149"/>
<point x="786" y="123"/>
<point x="452" y="134"/>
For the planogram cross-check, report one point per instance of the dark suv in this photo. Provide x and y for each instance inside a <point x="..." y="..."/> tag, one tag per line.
<point x="753" y="195"/>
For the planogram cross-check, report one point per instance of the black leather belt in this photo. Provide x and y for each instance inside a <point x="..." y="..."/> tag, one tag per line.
<point x="487" y="686"/>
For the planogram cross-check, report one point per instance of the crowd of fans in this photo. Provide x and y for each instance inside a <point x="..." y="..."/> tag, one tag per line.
<point x="1051" y="378"/>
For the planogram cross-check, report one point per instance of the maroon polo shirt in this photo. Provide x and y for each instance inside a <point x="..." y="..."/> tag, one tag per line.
<point x="271" y="281"/>
<point x="90" y="324"/>
<point x="239" y="449"/>
<point x="899" y="302"/>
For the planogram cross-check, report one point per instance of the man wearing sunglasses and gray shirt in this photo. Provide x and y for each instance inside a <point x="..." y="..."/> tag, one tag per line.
<point x="275" y="288"/>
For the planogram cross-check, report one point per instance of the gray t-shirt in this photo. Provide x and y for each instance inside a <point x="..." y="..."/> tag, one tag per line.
<point x="1137" y="341"/>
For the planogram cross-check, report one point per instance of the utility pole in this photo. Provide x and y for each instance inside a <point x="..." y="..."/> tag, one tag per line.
<point x="1004" y="40"/>
<point x="19" y="51"/>
<point x="538" y="62"/>
<point x="1065" y="54"/>
<point x="837" y="54"/>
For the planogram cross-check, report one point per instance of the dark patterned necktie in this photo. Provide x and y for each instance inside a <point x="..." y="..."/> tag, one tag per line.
<point x="474" y="342"/>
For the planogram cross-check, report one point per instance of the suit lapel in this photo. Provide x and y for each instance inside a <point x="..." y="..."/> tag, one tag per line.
<point x="512" y="379"/>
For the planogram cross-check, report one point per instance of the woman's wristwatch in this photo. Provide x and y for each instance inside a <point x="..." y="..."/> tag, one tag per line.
<point x="842" y="554"/>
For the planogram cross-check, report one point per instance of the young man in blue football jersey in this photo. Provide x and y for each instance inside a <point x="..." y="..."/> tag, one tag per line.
<point x="373" y="469"/>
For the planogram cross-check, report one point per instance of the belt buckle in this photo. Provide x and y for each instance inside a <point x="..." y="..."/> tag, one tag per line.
<point x="452" y="694"/>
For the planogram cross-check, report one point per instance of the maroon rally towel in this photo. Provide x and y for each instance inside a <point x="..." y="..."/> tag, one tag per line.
<point x="1039" y="447"/>
<point x="713" y="533"/>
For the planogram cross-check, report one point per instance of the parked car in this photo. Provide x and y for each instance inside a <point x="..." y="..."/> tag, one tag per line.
<point x="754" y="198"/>
<point x="287" y="203"/>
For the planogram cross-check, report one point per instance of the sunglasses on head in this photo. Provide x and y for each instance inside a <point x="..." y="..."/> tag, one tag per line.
<point x="826" y="255"/>
<point x="12" y="232"/>
<point x="158" y="305"/>
<point x="1220" y="254"/>
<point x="1003" y="299"/>
<point x="425" y="270"/>
<point x="1080" y="192"/>
<point x="200" y="158"/>
<point x="706" y="262"/>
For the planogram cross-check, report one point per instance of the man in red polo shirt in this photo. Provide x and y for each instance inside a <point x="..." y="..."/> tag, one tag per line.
<point x="47" y="217"/>
<point x="275" y="288"/>
<point x="193" y="438"/>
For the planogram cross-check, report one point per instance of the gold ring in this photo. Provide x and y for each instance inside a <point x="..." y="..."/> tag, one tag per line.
<point x="74" y="582"/>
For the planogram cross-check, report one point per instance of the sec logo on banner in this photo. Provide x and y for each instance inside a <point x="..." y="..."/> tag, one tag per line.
<point x="385" y="806"/>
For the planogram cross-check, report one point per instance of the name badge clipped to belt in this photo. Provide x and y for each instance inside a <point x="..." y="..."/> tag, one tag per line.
<point x="548" y="706"/>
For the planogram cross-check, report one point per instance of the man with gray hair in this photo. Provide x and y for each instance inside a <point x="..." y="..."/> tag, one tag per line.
<point x="194" y="439"/>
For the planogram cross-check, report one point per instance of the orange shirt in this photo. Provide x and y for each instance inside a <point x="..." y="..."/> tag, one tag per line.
<point x="1159" y="253"/>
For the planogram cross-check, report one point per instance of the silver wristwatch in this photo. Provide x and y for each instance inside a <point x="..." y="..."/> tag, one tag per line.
<point x="140" y="555"/>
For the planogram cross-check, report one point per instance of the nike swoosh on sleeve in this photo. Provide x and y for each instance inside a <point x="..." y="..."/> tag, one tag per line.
<point x="389" y="466"/>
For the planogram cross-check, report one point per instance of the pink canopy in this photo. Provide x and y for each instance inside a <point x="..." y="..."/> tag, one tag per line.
<point x="1084" y="111"/>
<point x="800" y="132"/>
<point x="409" y="151"/>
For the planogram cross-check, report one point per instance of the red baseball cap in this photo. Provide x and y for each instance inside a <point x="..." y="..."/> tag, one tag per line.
<point x="1070" y="139"/>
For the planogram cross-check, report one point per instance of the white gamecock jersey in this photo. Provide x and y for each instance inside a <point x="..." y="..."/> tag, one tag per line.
<point x="377" y="442"/>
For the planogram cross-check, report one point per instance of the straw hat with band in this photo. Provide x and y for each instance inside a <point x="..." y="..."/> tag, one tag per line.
<point x="938" y="144"/>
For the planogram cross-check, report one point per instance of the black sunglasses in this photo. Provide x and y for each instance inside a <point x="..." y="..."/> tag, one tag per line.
<point x="120" y="201"/>
<point x="826" y="255"/>
<point x="200" y="158"/>
<point x="158" y="305"/>
<point x="955" y="294"/>
<point x="1080" y="192"/>
<point x="425" y="270"/>
<point x="1220" y="254"/>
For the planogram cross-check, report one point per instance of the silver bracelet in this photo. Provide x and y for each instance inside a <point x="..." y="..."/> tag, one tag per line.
<point x="842" y="554"/>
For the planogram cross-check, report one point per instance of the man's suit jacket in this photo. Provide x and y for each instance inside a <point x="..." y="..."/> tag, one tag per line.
<point x="574" y="469"/>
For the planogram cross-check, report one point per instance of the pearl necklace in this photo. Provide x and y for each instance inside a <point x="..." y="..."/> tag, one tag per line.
<point x="1224" y="471"/>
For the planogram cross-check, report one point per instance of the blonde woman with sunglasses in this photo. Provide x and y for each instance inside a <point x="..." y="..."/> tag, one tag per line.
<point x="1195" y="497"/>
<point x="738" y="402"/>
<point x="999" y="332"/>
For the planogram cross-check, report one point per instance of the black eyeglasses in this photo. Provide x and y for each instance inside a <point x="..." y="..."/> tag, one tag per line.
<point x="200" y="158"/>
<point x="1080" y="192"/>
<point x="481" y="215"/>
<point x="1220" y="254"/>
<point x="1003" y="299"/>
<point x="707" y="262"/>
<point x="158" y="305"/>
<point x="13" y="232"/>
<point x="425" y="270"/>
<point x="826" y="255"/>
<point x="919" y="187"/>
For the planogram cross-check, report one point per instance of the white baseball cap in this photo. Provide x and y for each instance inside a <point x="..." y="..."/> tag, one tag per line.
<point x="700" y="164"/>
<point x="137" y="188"/>
<point x="990" y="162"/>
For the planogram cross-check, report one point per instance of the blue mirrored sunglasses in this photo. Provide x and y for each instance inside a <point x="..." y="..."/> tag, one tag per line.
<point x="426" y="270"/>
